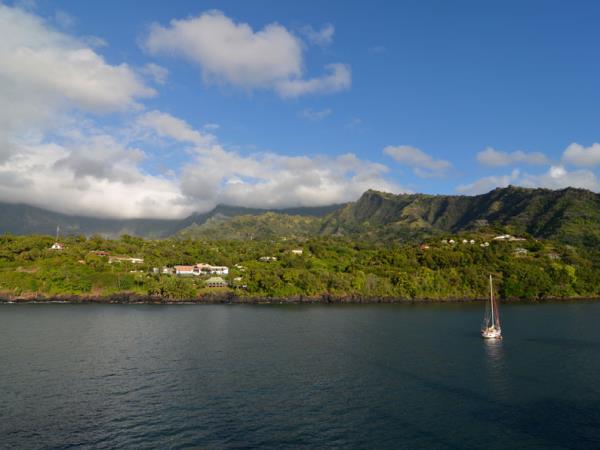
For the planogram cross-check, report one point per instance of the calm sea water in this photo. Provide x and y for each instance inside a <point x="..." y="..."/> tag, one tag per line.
<point x="377" y="376"/>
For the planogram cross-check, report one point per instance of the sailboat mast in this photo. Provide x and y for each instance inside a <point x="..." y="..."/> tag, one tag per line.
<point x="492" y="300"/>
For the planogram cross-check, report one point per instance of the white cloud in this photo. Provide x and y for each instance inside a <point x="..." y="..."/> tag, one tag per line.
<point x="556" y="177"/>
<point x="322" y="37"/>
<point x="579" y="155"/>
<point x="495" y="158"/>
<point x="271" y="180"/>
<point x="423" y="164"/>
<point x="165" y="125"/>
<point x="337" y="79"/>
<point x="54" y="154"/>
<point x="158" y="73"/>
<point x="102" y="158"/>
<point x="51" y="155"/>
<point x="45" y="75"/>
<point x="486" y="184"/>
<point x="92" y="175"/>
<point x="51" y="66"/>
<point x="315" y="115"/>
<point x="233" y="53"/>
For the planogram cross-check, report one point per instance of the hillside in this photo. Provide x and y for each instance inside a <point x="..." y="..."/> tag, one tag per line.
<point x="571" y="216"/>
<point x="268" y="225"/>
<point x="22" y="219"/>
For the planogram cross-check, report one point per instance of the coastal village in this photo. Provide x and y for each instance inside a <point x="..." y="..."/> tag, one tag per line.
<point x="218" y="276"/>
<point x="434" y="267"/>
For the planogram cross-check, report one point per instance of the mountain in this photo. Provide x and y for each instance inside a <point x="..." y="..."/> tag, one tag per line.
<point x="569" y="215"/>
<point x="269" y="225"/>
<point x="25" y="219"/>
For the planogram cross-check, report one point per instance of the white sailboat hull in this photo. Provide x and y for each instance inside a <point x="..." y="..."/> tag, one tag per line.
<point x="491" y="333"/>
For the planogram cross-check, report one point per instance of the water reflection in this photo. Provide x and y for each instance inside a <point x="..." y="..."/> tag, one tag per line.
<point x="495" y="363"/>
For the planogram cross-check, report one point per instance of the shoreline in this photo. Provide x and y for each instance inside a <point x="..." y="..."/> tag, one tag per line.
<point x="231" y="299"/>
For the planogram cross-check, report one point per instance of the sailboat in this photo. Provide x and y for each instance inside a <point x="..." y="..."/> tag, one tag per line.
<point x="490" y="328"/>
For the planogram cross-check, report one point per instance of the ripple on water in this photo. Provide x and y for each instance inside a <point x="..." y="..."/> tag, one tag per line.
<point x="376" y="376"/>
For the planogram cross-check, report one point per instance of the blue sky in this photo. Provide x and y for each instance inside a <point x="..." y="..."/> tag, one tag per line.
<point x="274" y="104"/>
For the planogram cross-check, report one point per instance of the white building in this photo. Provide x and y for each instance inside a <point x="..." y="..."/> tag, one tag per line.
<point x="119" y="259"/>
<point x="297" y="251"/>
<point x="203" y="268"/>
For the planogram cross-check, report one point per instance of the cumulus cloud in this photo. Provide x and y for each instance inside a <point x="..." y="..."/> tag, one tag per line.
<point x="322" y="37"/>
<point x="495" y="158"/>
<point x="52" y="81"/>
<point x="272" y="180"/>
<point x="315" y="115"/>
<point x="44" y="72"/>
<point x="579" y="155"/>
<point x="556" y="177"/>
<point x="166" y="125"/>
<point x="50" y="66"/>
<point x="337" y="79"/>
<point x="422" y="164"/>
<point x="233" y="53"/>
<point x="486" y="184"/>
<point x="97" y="181"/>
<point x="54" y="152"/>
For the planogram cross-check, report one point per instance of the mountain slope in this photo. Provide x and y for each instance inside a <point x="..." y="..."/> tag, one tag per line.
<point x="25" y="219"/>
<point x="268" y="225"/>
<point x="569" y="215"/>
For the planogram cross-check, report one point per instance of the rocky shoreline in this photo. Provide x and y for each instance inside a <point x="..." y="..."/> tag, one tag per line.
<point x="230" y="298"/>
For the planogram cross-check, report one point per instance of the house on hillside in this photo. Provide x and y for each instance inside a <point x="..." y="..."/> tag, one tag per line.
<point x="267" y="258"/>
<point x="120" y="259"/>
<point x="215" y="282"/>
<point x="297" y="251"/>
<point x="508" y="237"/>
<point x="185" y="270"/>
<point x="204" y="268"/>
<point x="520" y="251"/>
<point x="200" y="269"/>
<point x="57" y="245"/>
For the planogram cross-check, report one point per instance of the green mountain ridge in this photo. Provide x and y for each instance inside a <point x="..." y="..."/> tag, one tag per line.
<point x="570" y="215"/>
<point x="21" y="219"/>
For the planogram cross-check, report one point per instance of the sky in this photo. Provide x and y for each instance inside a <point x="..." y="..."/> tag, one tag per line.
<point x="118" y="109"/>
